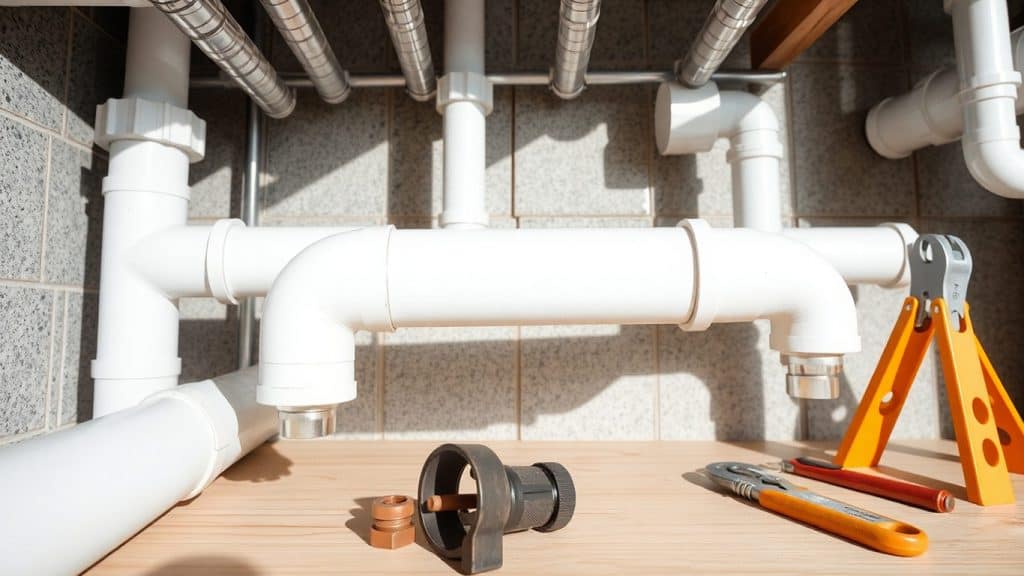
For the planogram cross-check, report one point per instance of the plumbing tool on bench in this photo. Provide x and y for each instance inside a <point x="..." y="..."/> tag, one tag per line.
<point x="989" y="430"/>
<point x="507" y="499"/>
<point x="778" y="495"/>
<point x="905" y="492"/>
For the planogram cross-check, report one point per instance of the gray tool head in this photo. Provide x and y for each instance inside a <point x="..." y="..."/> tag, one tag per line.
<point x="940" y="267"/>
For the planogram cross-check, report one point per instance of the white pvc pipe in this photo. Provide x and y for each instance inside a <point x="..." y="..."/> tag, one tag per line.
<point x="70" y="497"/>
<point x="145" y="191"/>
<point x="691" y="120"/>
<point x="379" y="279"/>
<point x="862" y="255"/>
<point x="465" y="111"/>
<point x="187" y="261"/>
<point x="991" y="140"/>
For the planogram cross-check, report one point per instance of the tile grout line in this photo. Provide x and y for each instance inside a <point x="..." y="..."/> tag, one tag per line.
<point x="45" y="130"/>
<point x="519" y="383"/>
<point x="65" y="109"/>
<point x="47" y="177"/>
<point x="48" y="377"/>
<point x="14" y="283"/>
<point x="63" y="359"/>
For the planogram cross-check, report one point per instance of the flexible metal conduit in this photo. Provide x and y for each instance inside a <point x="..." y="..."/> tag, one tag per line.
<point x="219" y="36"/>
<point x="576" y="29"/>
<point x="299" y="27"/>
<point x="409" y="35"/>
<point x="728" y="20"/>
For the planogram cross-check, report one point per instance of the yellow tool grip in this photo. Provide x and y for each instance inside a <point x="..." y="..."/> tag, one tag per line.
<point x="886" y="535"/>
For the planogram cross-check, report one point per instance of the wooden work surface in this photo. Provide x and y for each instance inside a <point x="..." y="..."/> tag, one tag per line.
<point x="301" y="508"/>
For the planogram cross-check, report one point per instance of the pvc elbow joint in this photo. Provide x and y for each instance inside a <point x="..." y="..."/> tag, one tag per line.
<point x="998" y="165"/>
<point x="307" y="335"/>
<point x="744" y="275"/>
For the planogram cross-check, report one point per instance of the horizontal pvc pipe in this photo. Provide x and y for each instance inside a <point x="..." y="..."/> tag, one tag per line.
<point x="863" y="255"/>
<point x="379" y="279"/>
<point x="518" y="277"/>
<point x="70" y="497"/>
<point x="593" y="78"/>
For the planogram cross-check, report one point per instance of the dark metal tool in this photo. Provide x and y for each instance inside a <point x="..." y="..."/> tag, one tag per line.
<point x="507" y="499"/>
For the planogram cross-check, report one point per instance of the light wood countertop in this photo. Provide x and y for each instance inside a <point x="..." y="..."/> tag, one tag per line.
<point x="302" y="508"/>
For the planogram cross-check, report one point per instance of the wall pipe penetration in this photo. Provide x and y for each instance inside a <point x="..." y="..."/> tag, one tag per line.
<point x="728" y="20"/>
<point x="214" y="31"/>
<point x="977" y="101"/>
<point x="128" y="469"/>
<point x="577" y="26"/>
<point x="690" y="120"/>
<point x="464" y="99"/>
<point x="380" y="279"/>
<point x="300" y="29"/>
<point x="408" y="30"/>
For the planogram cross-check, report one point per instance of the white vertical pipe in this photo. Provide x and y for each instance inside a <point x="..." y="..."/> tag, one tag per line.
<point x="465" y="145"/>
<point x="145" y="191"/>
<point x="70" y="497"/>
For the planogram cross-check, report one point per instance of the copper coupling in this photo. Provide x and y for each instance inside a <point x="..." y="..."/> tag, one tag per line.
<point x="392" y="522"/>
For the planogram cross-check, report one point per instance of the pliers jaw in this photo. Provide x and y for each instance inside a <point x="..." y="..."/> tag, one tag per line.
<point x="745" y="479"/>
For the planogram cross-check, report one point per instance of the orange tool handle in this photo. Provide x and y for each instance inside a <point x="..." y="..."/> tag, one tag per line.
<point x="877" y="532"/>
<point x="913" y="494"/>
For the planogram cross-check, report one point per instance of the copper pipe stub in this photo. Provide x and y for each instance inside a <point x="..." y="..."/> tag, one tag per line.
<point x="392" y="522"/>
<point x="451" y="502"/>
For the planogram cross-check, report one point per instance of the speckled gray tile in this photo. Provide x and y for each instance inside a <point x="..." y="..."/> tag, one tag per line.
<point x="500" y="32"/>
<point x="355" y="30"/>
<point x="22" y="190"/>
<point x="25" y="314"/>
<point x="357" y="420"/>
<point x="877" y="309"/>
<point x="672" y="27"/>
<point x="588" y="383"/>
<point x="55" y="351"/>
<point x="869" y="32"/>
<point x="946" y="188"/>
<point x="701" y="184"/>
<point x="74" y="217"/>
<point x="33" y="48"/>
<point x="96" y="74"/>
<point x="723" y="384"/>
<point x="619" y="42"/>
<point x="329" y="160"/>
<point x="207" y="338"/>
<point x="930" y="35"/>
<point x="217" y="180"/>
<point x="584" y="222"/>
<point x="112" y="20"/>
<point x="836" y="171"/>
<point x="450" y="384"/>
<point x="70" y="377"/>
<point x="417" y="158"/>
<point x="586" y="157"/>
<point x="997" y="249"/>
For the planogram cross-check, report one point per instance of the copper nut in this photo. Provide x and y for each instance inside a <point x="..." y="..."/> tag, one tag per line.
<point x="392" y="522"/>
